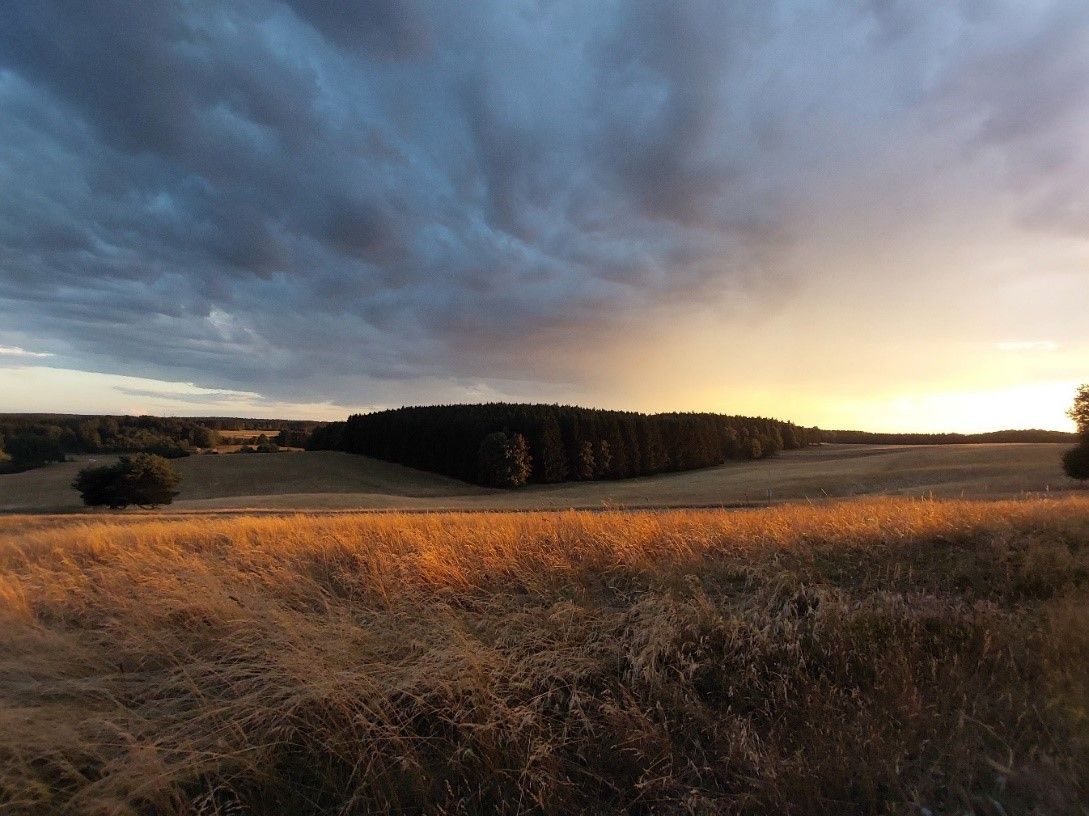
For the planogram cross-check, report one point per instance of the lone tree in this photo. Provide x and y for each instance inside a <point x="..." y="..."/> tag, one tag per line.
<point x="504" y="460"/>
<point x="1076" y="460"/>
<point x="145" y="480"/>
<point x="1079" y="412"/>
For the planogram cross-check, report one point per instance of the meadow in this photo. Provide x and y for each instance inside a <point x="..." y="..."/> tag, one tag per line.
<point x="873" y="656"/>
<point x="326" y="480"/>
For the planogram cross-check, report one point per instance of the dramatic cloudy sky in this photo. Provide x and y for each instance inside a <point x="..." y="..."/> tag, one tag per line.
<point x="865" y="214"/>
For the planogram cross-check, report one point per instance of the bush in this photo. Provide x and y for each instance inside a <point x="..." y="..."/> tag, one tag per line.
<point x="145" y="480"/>
<point x="170" y="451"/>
<point x="504" y="460"/>
<point x="1076" y="462"/>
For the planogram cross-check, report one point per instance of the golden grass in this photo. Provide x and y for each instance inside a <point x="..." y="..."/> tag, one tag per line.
<point x="865" y="657"/>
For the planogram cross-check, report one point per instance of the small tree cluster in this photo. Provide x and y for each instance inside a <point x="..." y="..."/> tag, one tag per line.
<point x="1076" y="460"/>
<point x="261" y="445"/>
<point x="145" y="480"/>
<point x="504" y="460"/>
<point x="31" y="450"/>
<point x="293" y="438"/>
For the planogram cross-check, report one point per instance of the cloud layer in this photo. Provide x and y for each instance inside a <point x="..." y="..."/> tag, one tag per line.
<point x="411" y="200"/>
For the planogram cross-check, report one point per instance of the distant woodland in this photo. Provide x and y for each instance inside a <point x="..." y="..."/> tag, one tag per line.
<point x="32" y="440"/>
<point x="507" y="445"/>
<point x="867" y="438"/>
<point x="498" y="443"/>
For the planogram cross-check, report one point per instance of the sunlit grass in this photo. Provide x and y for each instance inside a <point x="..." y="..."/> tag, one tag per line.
<point x="860" y="657"/>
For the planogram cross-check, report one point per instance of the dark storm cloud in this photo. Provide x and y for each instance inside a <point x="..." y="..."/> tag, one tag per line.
<point x="396" y="28"/>
<point x="302" y="197"/>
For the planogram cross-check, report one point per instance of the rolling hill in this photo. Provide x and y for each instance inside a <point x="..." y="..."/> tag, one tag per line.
<point x="331" y="480"/>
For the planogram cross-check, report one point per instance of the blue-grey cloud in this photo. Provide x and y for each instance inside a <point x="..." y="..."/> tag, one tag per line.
<point x="306" y="198"/>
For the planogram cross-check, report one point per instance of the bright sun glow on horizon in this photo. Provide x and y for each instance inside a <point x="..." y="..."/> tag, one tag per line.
<point x="1038" y="406"/>
<point x="41" y="389"/>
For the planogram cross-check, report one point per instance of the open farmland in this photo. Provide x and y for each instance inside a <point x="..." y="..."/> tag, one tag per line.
<point x="330" y="480"/>
<point x="877" y="656"/>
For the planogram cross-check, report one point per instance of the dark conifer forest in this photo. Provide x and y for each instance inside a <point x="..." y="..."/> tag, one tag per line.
<point x="565" y="443"/>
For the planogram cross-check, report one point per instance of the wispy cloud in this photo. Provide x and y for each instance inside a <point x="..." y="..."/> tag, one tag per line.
<point x="191" y="393"/>
<point x="15" y="351"/>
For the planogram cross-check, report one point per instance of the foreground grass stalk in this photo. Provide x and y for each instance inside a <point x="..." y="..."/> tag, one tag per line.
<point x="865" y="657"/>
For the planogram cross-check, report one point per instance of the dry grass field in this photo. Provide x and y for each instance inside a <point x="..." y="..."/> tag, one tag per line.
<point x="873" y="656"/>
<point x="340" y="481"/>
<point x="232" y="437"/>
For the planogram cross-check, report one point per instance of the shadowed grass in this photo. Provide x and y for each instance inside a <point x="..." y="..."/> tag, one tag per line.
<point x="866" y="657"/>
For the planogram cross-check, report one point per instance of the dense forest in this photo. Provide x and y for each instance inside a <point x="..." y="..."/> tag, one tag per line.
<point x="507" y="445"/>
<point x="868" y="438"/>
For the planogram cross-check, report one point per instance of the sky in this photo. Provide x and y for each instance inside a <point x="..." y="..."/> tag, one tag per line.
<point x="866" y="214"/>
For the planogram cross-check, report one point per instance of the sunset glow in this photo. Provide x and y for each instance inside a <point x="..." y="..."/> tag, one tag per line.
<point x="838" y="214"/>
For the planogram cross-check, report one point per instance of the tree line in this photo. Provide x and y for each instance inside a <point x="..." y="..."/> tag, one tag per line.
<point x="870" y="438"/>
<point x="510" y="444"/>
<point x="31" y="440"/>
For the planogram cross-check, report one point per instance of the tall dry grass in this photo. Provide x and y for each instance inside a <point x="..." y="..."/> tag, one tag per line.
<point x="875" y="657"/>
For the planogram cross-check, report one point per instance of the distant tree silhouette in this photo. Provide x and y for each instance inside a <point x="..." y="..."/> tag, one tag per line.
<point x="550" y="459"/>
<point x="586" y="468"/>
<point x="604" y="460"/>
<point x="790" y="438"/>
<point x="756" y="449"/>
<point x="504" y="460"/>
<point x="991" y="437"/>
<point x="145" y="480"/>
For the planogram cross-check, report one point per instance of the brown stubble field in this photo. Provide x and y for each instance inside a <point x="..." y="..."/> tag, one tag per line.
<point x="326" y="480"/>
<point x="872" y="656"/>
